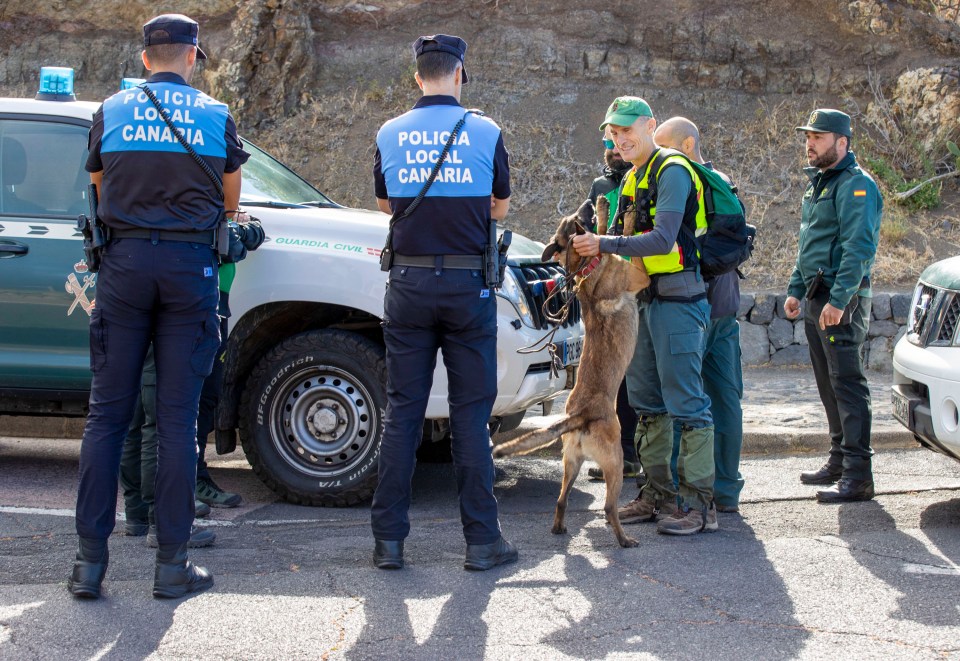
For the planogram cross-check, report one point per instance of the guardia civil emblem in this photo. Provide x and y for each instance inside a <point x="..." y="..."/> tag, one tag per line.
<point x="78" y="290"/>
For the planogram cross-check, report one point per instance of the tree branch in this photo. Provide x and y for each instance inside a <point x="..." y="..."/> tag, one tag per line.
<point x="905" y="194"/>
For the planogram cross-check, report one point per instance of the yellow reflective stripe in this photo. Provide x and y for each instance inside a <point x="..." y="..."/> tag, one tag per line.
<point x="673" y="261"/>
<point x="669" y="263"/>
<point x="630" y="183"/>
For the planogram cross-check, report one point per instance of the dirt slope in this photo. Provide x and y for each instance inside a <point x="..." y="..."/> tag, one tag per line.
<point x="313" y="81"/>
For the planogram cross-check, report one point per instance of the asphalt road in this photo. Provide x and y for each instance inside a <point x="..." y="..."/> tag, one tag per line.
<point x="786" y="578"/>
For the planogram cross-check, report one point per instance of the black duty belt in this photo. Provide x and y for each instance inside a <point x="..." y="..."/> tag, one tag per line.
<point x="206" y="238"/>
<point x="470" y="262"/>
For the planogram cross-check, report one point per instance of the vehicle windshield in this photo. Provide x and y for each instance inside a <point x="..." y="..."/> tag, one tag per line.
<point x="268" y="182"/>
<point x="525" y="250"/>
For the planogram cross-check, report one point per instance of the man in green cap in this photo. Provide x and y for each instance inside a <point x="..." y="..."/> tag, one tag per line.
<point x="839" y="230"/>
<point x="663" y="379"/>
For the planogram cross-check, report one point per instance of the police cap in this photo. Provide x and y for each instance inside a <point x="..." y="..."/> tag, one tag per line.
<point x="828" y="120"/>
<point x="172" y="29"/>
<point x="444" y="43"/>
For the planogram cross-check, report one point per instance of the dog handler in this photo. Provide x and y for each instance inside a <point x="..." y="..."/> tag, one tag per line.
<point x="158" y="281"/>
<point x="437" y="299"/>
<point x="663" y="378"/>
<point x="839" y="231"/>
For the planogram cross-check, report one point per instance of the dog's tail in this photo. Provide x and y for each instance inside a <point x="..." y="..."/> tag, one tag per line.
<point x="538" y="438"/>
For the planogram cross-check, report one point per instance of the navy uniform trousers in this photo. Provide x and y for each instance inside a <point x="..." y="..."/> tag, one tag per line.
<point x="426" y="309"/>
<point x="164" y="291"/>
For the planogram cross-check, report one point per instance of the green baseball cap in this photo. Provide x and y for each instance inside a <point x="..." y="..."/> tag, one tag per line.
<point x="625" y="110"/>
<point x="828" y="120"/>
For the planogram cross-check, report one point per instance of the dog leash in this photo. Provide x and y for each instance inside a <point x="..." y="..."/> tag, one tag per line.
<point x="567" y="283"/>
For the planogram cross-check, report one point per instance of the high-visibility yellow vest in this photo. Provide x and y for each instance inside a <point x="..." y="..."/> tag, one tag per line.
<point x="674" y="261"/>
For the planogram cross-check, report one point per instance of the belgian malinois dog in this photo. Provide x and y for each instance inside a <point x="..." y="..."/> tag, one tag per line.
<point x="607" y="288"/>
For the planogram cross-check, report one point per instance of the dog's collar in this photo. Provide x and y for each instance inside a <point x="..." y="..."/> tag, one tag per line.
<point x="588" y="269"/>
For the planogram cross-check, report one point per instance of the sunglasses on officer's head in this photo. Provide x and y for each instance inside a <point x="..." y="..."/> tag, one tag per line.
<point x="608" y="143"/>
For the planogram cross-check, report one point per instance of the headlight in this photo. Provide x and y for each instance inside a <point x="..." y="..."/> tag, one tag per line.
<point x="511" y="291"/>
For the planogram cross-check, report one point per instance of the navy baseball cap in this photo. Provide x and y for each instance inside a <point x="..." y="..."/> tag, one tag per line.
<point x="445" y="44"/>
<point x="172" y="29"/>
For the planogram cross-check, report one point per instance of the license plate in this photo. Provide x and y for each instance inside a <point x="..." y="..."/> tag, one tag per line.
<point x="572" y="349"/>
<point x="901" y="409"/>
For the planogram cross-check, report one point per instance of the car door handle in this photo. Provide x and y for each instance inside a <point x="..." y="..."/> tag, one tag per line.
<point x="13" y="249"/>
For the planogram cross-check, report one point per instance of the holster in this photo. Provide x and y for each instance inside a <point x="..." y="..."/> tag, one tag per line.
<point x="95" y="238"/>
<point x="491" y="258"/>
<point x="815" y="286"/>
<point x="223" y="238"/>
<point x="387" y="254"/>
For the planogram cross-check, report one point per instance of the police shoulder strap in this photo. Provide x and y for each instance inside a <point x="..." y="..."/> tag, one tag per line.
<point x="207" y="170"/>
<point x="386" y="255"/>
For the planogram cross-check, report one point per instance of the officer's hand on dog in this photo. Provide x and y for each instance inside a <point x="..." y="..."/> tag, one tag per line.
<point x="791" y="307"/>
<point x="586" y="245"/>
<point x="830" y="316"/>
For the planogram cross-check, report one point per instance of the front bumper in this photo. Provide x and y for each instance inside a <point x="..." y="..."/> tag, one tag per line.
<point x="926" y="395"/>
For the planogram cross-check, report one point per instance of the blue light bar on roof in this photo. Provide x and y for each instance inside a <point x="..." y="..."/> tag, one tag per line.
<point x="56" y="84"/>
<point x="130" y="83"/>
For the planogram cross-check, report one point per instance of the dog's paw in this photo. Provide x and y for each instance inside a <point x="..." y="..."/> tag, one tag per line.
<point x="559" y="530"/>
<point x="628" y="542"/>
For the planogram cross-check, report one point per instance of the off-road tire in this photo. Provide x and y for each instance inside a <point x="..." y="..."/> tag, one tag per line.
<point x="312" y="417"/>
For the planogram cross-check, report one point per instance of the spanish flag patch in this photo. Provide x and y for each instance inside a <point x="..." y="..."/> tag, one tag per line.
<point x="860" y="193"/>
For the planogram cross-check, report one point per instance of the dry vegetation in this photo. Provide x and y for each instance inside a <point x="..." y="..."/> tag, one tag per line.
<point x="763" y="154"/>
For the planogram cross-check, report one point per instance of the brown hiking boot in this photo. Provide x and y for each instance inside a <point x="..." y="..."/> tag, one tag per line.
<point x="689" y="521"/>
<point x="644" y="511"/>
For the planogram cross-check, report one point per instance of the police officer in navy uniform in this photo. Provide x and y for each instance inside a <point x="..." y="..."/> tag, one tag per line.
<point x="157" y="283"/>
<point x="437" y="299"/>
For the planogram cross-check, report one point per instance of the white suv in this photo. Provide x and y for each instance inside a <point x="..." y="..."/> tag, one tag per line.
<point x="305" y="375"/>
<point x="926" y="361"/>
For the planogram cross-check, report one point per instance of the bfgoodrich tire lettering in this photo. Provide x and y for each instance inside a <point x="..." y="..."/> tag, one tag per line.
<point x="312" y="417"/>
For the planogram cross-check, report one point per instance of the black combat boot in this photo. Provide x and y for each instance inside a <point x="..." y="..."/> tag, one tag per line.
<point x="481" y="557"/>
<point x="175" y="575"/>
<point x="89" y="569"/>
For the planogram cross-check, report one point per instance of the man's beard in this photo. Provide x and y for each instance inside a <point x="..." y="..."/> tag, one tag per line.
<point x="828" y="158"/>
<point x="613" y="161"/>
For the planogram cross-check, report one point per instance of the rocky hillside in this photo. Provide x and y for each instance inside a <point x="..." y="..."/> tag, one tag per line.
<point x="312" y="81"/>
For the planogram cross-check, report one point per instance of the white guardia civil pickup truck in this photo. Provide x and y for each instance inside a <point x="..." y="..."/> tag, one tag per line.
<point x="305" y="373"/>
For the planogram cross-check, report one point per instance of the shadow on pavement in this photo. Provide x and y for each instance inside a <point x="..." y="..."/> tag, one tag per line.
<point x="907" y="560"/>
<point x="580" y="594"/>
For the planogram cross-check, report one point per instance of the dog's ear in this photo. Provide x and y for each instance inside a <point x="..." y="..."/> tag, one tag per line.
<point x="549" y="252"/>
<point x="585" y="213"/>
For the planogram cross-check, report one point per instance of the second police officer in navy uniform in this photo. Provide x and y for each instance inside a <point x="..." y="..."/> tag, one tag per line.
<point x="157" y="282"/>
<point x="437" y="299"/>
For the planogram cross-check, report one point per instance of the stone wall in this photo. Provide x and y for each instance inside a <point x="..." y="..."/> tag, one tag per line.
<point x="767" y="337"/>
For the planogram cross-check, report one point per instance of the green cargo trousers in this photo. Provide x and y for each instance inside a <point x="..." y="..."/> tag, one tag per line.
<point x="664" y="383"/>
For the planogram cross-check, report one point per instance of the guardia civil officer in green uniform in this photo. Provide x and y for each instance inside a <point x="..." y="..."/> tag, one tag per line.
<point x="839" y="230"/>
<point x="663" y="380"/>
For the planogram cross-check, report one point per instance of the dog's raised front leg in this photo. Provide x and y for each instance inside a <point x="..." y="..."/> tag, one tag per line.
<point x="572" y="461"/>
